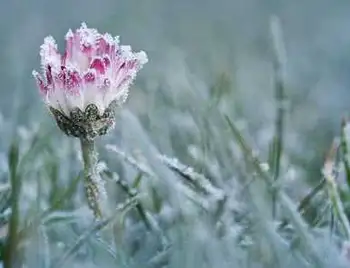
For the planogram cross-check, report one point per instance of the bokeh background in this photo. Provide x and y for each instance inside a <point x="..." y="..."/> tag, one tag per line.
<point x="201" y="39"/>
<point x="207" y="59"/>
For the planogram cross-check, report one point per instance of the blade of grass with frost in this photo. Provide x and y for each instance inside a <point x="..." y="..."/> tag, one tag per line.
<point x="190" y="193"/>
<point x="279" y="84"/>
<point x="287" y="204"/>
<point x="137" y="181"/>
<point x="106" y="247"/>
<point x="345" y="129"/>
<point x="199" y="181"/>
<point x="66" y="195"/>
<point x="39" y="142"/>
<point x="5" y="195"/>
<point x="127" y="158"/>
<point x="337" y="204"/>
<point x="147" y="218"/>
<point x="159" y="260"/>
<point x="123" y="208"/>
<point x="11" y="256"/>
<point x="59" y="216"/>
<point x="131" y="192"/>
<point x="305" y="202"/>
<point x="45" y="248"/>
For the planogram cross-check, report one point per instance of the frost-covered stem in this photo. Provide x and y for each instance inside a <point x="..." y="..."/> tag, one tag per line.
<point x="91" y="177"/>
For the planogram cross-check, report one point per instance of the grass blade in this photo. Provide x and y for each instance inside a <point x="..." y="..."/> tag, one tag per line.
<point x="286" y="203"/>
<point x="279" y="84"/>
<point x="127" y="205"/>
<point x="11" y="256"/>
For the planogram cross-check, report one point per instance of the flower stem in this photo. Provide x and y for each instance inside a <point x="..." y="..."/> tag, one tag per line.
<point x="92" y="180"/>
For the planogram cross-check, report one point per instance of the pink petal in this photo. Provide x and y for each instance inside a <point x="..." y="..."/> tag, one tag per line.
<point x="103" y="47"/>
<point x="49" y="78"/>
<point x="73" y="81"/>
<point x="90" y="59"/>
<point x="107" y="61"/>
<point x="106" y="83"/>
<point x="43" y="89"/>
<point x="122" y="66"/>
<point x="49" y="53"/>
<point x="89" y="77"/>
<point x="127" y="79"/>
<point x="69" y="45"/>
<point x="98" y="65"/>
<point x="60" y="80"/>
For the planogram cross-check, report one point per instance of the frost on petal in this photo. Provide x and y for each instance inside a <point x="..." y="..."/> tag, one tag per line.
<point x="141" y="57"/>
<point x="69" y="46"/>
<point x="99" y="65"/>
<point x="94" y="69"/>
<point x="107" y="61"/>
<point x="73" y="82"/>
<point x="49" y="77"/>
<point x="49" y="53"/>
<point x="40" y="82"/>
<point x="88" y="36"/>
<point x="90" y="76"/>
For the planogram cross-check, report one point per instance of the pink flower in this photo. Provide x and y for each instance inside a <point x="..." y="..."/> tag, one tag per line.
<point x="94" y="73"/>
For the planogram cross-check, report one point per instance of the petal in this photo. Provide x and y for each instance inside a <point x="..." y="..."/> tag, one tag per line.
<point x="42" y="87"/>
<point x="49" y="53"/>
<point x="48" y="72"/>
<point x="90" y="76"/>
<point x="99" y="65"/>
<point x="69" y="46"/>
<point x="73" y="82"/>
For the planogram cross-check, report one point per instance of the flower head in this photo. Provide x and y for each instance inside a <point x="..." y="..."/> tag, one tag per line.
<point x="82" y="86"/>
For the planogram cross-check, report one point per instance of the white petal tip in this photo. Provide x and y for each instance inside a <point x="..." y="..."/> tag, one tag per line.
<point x="35" y="73"/>
<point x="142" y="57"/>
<point x="69" y="34"/>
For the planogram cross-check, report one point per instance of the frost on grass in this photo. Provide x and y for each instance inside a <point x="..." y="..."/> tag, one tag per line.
<point x="195" y="178"/>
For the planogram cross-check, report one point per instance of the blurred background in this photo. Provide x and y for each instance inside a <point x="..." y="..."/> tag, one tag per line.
<point x="194" y="42"/>
<point x="207" y="60"/>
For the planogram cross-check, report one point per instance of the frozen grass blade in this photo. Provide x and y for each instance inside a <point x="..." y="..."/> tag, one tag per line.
<point x="279" y="84"/>
<point x="338" y="208"/>
<point x="287" y="204"/>
<point x="96" y="227"/>
<point x="190" y="192"/>
<point x="67" y="194"/>
<point x="39" y="142"/>
<point x="11" y="255"/>
<point x="137" y="181"/>
<point x="131" y="192"/>
<point x="305" y="202"/>
<point x="131" y="161"/>
<point x="197" y="180"/>
<point x="107" y="247"/>
<point x="58" y="203"/>
<point x="344" y="147"/>
<point x="160" y="259"/>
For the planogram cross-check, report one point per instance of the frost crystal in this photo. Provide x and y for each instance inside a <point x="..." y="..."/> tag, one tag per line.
<point x="83" y="86"/>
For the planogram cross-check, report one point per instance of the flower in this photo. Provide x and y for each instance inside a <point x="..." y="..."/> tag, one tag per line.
<point x="82" y="87"/>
